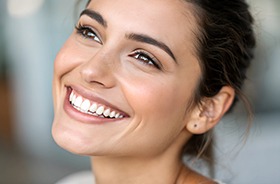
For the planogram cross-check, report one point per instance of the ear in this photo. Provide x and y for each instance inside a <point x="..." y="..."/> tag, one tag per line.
<point x="206" y="115"/>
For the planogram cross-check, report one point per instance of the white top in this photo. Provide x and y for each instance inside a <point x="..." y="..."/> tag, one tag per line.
<point x="82" y="177"/>
<point x="86" y="177"/>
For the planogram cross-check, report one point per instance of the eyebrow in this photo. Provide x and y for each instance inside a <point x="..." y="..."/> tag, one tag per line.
<point x="94" y="15"/>
<point x="149" y="40"/>
<point x="132" y="36"/>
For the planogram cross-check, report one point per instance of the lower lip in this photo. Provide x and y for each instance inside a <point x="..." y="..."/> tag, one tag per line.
<point x="82" y="117"/>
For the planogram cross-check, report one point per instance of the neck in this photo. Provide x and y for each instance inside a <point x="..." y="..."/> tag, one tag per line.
<point x="164" y="168"/>
<point x="135" y="170"/>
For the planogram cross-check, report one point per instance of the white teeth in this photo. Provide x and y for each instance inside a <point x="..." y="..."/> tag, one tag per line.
<point x="117" y="115"/>
<point x="78" y="101"/>
<point x="93" y="107"/>
<point x="71" y="96"/>
<point x="106" y="113"/>
<point x="100" y="110"/>
<point x="85" y="105"/>
<point x="73" y="99"/>
<point x="112" y="114"/>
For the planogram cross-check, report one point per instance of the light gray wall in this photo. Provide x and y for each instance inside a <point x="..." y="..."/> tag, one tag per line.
<point x="33" y="36"/>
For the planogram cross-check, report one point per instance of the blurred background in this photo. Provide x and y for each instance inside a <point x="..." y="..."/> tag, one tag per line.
<point x="32" y="31"/>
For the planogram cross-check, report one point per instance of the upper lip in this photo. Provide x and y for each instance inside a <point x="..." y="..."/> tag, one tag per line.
<point x="95" y="98"/>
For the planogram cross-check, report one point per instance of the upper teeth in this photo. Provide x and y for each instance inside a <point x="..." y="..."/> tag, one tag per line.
<point x="85" y="106"/>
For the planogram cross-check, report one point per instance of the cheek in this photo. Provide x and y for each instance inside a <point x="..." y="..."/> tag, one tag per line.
<point x="70" y="57"/>
<point x="160" y="107"/>
<point x="62" y="65"/>
<point x="67" y="58"/>
<point x="156" y="100"/>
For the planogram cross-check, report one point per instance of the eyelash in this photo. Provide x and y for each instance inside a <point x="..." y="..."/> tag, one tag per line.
<point x="84" y="31"/>
<point x="140" y="55"/>
<point x="146" y="58"/>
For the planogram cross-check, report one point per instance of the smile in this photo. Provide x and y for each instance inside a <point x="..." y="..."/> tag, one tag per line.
<point x="87" y="106"/>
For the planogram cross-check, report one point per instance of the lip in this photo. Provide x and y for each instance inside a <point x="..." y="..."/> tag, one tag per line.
<point x="86" y="118"/>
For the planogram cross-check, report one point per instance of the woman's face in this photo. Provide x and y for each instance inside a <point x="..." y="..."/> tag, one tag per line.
<point x="124" y="79"/>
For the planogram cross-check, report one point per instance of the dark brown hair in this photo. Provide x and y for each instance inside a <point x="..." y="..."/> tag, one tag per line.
<point x="225" y="45"/>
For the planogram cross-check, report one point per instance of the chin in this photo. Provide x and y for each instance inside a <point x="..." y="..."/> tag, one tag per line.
<point x="65" y="139"/>
<point x="77" y="141"/>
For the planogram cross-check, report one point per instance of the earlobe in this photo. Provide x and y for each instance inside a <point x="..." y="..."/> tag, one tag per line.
<point x="210" y="112"/>
<point x="197" y="125"/>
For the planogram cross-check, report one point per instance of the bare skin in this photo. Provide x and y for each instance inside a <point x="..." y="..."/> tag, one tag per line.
<point x="180" y="175"/>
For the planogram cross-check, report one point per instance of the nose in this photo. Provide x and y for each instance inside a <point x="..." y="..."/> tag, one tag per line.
<point x="99" y="70"/>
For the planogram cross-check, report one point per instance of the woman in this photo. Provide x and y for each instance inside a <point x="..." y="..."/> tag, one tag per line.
<point x="140" y="83"/>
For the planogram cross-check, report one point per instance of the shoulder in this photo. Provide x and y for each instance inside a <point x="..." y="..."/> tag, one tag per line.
<point x="82" y="177"/>
<point x="188" y="176"/>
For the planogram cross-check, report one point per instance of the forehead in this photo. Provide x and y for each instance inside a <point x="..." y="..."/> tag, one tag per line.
<point x="170" y="21"/>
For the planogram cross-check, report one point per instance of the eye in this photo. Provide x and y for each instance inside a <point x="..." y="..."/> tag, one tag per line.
<point x="87" y="32"/>
<point x="146" y="58"/>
